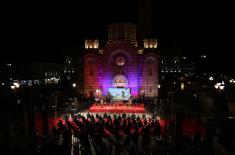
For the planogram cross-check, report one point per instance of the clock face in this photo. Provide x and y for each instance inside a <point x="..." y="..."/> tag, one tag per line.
<point x="120" y="61"/>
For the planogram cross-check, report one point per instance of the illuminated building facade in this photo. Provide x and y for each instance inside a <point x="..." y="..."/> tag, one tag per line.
<point x="121" y="63"/>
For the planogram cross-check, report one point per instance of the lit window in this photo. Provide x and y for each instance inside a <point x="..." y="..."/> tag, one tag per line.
<point x="140" y="51"/>
<point x="101" y="51"/>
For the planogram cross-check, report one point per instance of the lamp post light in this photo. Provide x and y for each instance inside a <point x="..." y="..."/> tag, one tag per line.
<point x="211" y="78"/>
<point x="15" y="86"/>
<point x="74" y="85"/>
<point x="232" y="81"/>
<point x="159" y="86"/>
<point x="219" y="86"/>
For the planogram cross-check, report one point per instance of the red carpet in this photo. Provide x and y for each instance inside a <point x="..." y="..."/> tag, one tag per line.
<point x="117" y="107"/>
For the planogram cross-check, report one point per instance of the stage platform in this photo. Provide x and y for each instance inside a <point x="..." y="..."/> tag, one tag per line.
<point x="117" y="107"/>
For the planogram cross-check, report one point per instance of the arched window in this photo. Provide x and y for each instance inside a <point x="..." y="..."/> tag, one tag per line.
<point x="90" y="61"/>
<point x="151" y="62"/>
<point x="120" y="81"/>
<point x="120" y="60"/>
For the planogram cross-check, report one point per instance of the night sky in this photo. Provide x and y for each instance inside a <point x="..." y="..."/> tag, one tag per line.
<point x="38" y="32"/>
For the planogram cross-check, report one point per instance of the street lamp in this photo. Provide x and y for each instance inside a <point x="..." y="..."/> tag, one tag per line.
<point x="232" y="81"/>
<point x="74" y="85"/>
<point x="211" y="78"/>
<point x="182" y="86"/>
<point x="219" y="86"/>
<point x="219" y="103"/>
<point x="15" y="85"/>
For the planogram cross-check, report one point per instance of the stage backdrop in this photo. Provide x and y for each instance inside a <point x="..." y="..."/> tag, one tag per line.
<point x="120" y="93"/>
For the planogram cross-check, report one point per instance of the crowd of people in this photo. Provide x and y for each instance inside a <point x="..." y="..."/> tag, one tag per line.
<point x="121" y="134"/>
<point x="106" y="134"/>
